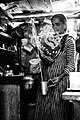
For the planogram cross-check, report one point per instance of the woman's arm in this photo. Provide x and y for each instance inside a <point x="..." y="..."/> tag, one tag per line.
<point x="70" y="66"/>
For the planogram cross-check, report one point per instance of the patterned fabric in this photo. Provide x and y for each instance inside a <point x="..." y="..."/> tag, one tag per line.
<point x="51" y="106"/>
<point x="50" y="46"/>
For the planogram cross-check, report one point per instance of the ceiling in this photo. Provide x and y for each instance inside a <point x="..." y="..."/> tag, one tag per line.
<point x="7" y="1"/>
<point x="18" y="10"/>
<point x="23" y="9"/>
<point x="30" y="4"/>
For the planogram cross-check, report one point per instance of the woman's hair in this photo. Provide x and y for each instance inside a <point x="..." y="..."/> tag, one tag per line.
<point x="61" y="17"/>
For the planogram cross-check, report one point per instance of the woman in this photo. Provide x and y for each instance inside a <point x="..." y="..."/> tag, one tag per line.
<point x="51" y="106"/>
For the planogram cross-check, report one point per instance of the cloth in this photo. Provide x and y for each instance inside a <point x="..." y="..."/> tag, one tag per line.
<point x="50" y="46"/>
<point x="51" y="106"/>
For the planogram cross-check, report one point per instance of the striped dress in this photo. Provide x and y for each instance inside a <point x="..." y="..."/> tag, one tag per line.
<point x="52" y="106"/>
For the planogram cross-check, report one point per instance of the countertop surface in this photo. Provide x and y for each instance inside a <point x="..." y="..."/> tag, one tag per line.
<point x="71" y="95"/>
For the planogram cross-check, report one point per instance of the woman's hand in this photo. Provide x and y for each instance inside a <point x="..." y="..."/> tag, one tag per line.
<point x="53" y="82"/>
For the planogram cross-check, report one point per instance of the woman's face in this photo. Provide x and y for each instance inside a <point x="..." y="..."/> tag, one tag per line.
<point x="58" y="26"/>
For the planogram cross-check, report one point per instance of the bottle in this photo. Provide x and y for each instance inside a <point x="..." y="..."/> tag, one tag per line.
<point x="8" y="71"/>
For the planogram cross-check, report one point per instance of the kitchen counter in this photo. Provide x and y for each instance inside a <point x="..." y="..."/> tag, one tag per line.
<point x="74" y="97"/>
<point x="71" y="95"/>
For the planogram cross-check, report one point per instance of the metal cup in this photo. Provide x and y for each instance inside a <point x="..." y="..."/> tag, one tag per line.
<point x="44" y="87"/>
